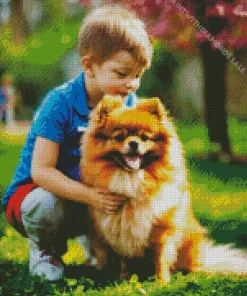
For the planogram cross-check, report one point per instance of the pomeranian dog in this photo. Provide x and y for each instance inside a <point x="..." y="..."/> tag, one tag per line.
<point x="135" y="152"/>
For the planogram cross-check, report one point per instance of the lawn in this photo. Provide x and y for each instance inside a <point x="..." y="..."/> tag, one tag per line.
<point x="219" y="201"/>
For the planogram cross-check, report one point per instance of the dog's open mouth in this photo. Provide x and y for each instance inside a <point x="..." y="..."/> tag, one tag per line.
<point x="132" y="161"/>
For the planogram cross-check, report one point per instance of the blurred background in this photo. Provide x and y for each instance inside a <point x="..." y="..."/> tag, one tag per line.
<point x="204" y="90"/>
<point x="38" y="48"/>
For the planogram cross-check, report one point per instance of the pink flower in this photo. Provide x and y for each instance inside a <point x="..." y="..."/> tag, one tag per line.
<point x="201" y="37"/>
<point x="85" y="2"/>
<point x="220" y="9"/>
<point x="160" y="28"/>
<point x="237" y="42"/>
<point x="240" y="10"/>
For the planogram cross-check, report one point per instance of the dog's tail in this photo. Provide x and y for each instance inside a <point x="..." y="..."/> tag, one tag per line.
<point x="224" y="259"/>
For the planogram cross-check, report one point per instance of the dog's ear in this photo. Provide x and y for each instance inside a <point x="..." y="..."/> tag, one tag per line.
<point x="105" y="107"/>
<point x="154" y="107"/>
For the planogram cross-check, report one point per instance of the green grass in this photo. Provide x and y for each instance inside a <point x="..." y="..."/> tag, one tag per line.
<point x="180" y="285"/>
<point x="9" y="156"/>
<point x="219" y="201"/>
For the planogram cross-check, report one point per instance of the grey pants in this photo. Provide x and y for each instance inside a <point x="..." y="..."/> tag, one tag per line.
<point x="49" y="221"/>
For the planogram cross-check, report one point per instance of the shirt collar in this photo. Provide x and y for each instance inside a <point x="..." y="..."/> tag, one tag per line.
<point x="80" y="102"/>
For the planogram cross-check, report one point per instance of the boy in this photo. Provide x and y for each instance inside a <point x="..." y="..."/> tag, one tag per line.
<point x="45" y="201"/>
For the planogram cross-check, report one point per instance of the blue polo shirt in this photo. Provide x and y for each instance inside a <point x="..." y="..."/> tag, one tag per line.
<point x="61" y="117"/>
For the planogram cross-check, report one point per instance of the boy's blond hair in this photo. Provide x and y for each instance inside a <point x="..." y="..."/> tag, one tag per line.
<point x="111" y="28"/>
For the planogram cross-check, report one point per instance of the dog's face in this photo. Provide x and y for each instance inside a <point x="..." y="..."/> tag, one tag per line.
<point x="129" y="138"/>
<point x="131" y="148"/>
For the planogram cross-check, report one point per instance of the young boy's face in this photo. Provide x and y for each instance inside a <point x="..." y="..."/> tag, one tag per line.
<point x="118" y="76"/>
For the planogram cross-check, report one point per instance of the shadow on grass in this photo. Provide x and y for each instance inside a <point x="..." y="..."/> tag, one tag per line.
<point x="229" y="231"/>
<point x="16" y="280"/>
<point x="220" y="170"/>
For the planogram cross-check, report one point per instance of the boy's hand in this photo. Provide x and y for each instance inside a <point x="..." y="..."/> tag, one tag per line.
<point x="105" y="201"/>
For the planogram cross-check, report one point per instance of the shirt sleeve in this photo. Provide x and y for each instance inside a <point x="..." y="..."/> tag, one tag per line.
<point x="51" y="118"/>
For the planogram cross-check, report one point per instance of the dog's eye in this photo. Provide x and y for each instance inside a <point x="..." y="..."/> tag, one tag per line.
<point x="144" y="137"/>
<point x="101" y="136"/>
<point x="120" y="138"/>
<point x="159" y="138"/>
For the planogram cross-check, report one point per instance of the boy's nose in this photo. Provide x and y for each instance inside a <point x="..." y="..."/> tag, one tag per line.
<point x="132" y="84"/>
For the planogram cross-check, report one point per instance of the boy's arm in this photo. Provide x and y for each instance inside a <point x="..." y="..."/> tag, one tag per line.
<point x="45" y="174"/>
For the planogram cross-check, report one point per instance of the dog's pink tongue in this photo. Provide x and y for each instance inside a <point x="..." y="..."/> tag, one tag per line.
<point x="133" y="162"/>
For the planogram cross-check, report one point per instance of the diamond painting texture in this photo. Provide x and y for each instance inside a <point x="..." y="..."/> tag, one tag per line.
<point x="116" y="167"/>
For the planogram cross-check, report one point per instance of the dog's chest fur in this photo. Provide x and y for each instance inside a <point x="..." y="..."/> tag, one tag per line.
<point x="128" y="230"/>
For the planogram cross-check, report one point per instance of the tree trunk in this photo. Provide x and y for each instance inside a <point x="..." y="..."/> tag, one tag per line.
<point x="214" y="63"/>
<point x="54" y="11"/>
<point x="18" y="21"/>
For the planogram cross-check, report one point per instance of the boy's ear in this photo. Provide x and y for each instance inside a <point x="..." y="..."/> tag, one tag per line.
<point x="87" y="65"/>
<point x="154" y="107"/>
<point x="105" y="107"/>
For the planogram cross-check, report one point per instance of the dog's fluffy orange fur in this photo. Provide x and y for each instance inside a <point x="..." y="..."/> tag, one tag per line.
<point x="136" y="152"/>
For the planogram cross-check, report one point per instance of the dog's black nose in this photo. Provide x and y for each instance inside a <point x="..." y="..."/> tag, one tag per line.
<point x="133" y="145"/>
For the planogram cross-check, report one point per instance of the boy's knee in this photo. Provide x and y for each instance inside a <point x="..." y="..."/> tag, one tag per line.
<point x="42" y="206"/>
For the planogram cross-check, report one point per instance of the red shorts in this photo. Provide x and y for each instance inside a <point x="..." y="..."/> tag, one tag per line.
<point x="13" y="209"/>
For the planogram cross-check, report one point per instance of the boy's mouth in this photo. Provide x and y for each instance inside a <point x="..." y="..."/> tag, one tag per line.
<point x="122" y="94"/>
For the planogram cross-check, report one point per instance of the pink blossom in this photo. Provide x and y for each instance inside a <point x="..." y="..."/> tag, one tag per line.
<point x="201" y="37"/>
<point x="240" y="10"/>
<point x="220" y="9"/>
<point x="85" y="2"/>
<point x="160" y="28"/>
<point x="237" y="42"/>
<point x="164" y="20"/>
